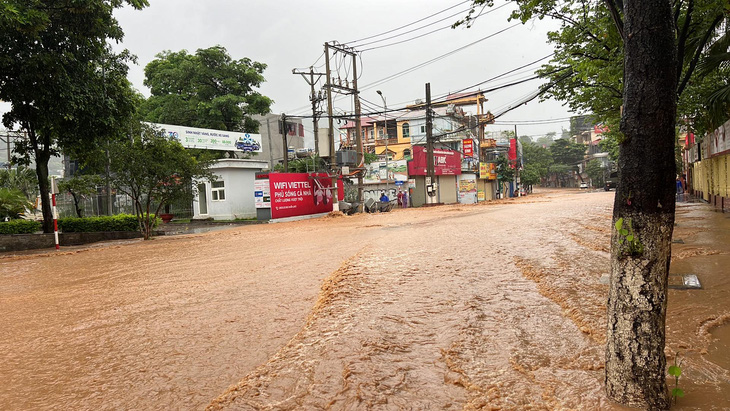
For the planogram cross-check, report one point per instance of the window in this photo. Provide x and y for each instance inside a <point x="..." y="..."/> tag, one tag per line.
<point x="423" y="129"/>
<point x="406" y="130"/>
<point x="372" y="134"/>
<point x="217" y="191"/>
<point x="380" y="133"/>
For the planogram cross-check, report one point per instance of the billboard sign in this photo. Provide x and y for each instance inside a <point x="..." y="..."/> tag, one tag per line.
<point x="488" y="171"/>
<point x="446" y="162"/>
<point x="262" y="193"/>
<point x="376" y="172"/>
<point x="297" y="194"/>
<point x="468" y="147"/>
<point x="719" y="143"/>
<point x="208" y="139"/>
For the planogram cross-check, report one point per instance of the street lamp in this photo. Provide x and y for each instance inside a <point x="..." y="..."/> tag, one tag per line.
<point x="385" y="135"/>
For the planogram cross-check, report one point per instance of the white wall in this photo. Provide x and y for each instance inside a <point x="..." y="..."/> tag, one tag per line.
<point x="238" y="178"/>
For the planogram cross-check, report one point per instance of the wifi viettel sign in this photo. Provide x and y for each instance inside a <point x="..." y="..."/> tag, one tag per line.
<point x="298" y="194"/>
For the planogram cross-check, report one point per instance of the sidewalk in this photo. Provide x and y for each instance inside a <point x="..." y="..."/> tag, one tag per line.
<point x="698" y="320"/>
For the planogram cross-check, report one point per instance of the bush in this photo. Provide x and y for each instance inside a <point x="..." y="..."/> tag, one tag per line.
<point x="20" y="227"/>
<point x="121" y="222"/>
<point x="12" y="203"/>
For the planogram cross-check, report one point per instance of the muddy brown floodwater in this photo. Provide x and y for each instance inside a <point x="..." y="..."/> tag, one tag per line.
<point x="496" y="306"/>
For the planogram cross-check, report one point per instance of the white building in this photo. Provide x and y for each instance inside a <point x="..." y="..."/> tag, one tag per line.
<point x="231" y="196"/>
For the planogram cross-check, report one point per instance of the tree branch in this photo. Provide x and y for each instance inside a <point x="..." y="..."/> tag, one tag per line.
<point x="588" y="56"/>
<point x="698" y="53"/>
<point x="579" y="26"/>
<point x="616" y="16"/>
<point x="682" y="38"/>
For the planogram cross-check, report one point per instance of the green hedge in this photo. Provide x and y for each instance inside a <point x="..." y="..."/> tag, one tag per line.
<point x="121" y="222"/>
<point x="20" y="227"/>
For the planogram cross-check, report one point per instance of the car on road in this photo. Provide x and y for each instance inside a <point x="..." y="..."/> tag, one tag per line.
<point x="611" y="181"/>
<point x="583" y="185"/>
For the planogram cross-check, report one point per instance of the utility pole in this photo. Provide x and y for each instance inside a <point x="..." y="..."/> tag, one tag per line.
<point x="346" y="89"/>
<point x="517" y="165"/>
<point x="358" y="132"/>
<point x="284" y="131"/>
<point x="328" y="86"/>
<point x="315" y="99"/>
<point x="429" y="148"/>
<point x="7" y="146"/>
<point x="271" y="150"/>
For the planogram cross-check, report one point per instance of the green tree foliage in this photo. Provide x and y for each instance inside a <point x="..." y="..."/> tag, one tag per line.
<point x="155" y="171"/>
<point x="303" y="165"/>
<point x="505" y="173"/>
<point x="529" y="176"/>
<point x="12" y="203"/>
<point x="80" y="187"/>
<point x="596" y="173"/>
<point x="207" y="89"/>
<point x="537" y="161"/>
<point x="65" y="85"/>
<point x="22" y="179"/>
<point x="587" y="68"/>
<point x="567" y="153"/>
<point x="546" y="140"/>
<point x="370" y="157"/>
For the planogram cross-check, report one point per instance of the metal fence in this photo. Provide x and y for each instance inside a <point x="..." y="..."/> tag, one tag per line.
<point x="97" y="205"/>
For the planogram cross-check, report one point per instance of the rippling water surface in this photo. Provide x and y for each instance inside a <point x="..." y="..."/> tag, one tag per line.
<point x="497" y="306"/>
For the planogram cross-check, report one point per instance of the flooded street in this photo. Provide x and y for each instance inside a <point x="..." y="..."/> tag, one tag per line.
<point x="494" y="306"/>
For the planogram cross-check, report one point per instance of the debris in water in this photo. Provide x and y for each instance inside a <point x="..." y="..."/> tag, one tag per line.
<point x="684" y="282"/>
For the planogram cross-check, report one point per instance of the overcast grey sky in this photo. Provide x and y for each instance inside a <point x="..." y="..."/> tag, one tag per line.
<point x="285" y="34"/>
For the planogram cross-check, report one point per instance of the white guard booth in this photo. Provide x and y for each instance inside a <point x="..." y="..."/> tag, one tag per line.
<point x="231" y="196"/>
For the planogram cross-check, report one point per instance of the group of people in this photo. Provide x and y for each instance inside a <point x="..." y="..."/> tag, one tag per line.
<point x="402" y="198"/>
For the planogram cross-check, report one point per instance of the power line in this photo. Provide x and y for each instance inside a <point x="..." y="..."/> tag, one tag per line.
<point x="499" y="76"/>
<point x="424" y="34"/>
<point x="421" y="65"/>
<point x="531" y="122"/>
<point x="409" y="24"/>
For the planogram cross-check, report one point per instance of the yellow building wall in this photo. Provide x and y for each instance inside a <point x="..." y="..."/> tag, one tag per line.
<point x="710" y="176"/>
<point x="403" y="142"/>
<point x="401" y="139"/>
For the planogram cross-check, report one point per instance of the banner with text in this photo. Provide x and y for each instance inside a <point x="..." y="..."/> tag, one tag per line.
<point x="468" y="147"/>
<point x="208" y="139"/>
<point x="296" y="194"/>
<point x="446" y="162"/>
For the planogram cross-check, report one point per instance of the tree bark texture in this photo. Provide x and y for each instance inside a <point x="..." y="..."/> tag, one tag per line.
<point x="42" y="154"/>
<point x="645" y="200"/>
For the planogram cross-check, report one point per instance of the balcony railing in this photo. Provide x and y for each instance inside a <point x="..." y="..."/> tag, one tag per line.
<point x="381" y="141"/>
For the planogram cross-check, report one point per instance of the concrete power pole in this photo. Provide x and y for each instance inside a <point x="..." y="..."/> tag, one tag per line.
<point x="431" y="178"/>
<point x="328" y="87"/>
<point x="358" y="132"/>
<point x="346" y="89"/>
<point x="517" y="165"/>
<point x="284" y="131"/>
<point x="315" y="99"/>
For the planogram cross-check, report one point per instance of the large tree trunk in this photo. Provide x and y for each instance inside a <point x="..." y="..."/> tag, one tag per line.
<point x="42" y="154"/>
<point x="645" y="199"/>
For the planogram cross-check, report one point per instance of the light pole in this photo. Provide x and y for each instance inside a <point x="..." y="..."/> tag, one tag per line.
<point x="385" y="135"/>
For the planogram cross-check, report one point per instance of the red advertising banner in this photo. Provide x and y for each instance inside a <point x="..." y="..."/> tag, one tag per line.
<point x="468" y="147"/>
<point x="295" y="194"/>
<point x="512" y="154"/>
<point x="446" y="162"/>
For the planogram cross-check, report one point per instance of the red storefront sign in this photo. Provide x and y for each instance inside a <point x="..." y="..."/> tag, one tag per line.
<point x="295" y="194"/>
<point x="446" y="162"/>
<point x="512" y="153"/>
<point x="468" y="147"/>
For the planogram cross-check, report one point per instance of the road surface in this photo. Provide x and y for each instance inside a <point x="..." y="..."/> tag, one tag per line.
<point x="498" y="305"/>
